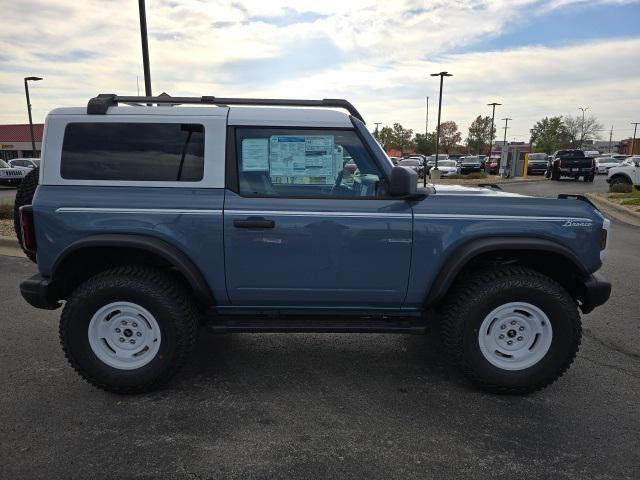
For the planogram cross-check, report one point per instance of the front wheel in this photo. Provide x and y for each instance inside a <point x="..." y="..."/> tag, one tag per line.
<point x="511" y="329"/>
<point x="129" y="329"/>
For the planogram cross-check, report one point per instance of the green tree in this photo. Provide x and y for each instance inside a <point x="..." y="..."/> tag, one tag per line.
<point x="385" y="137"/>
<point x="549" y="135"/>
<point x="479" y="134"/>
<point x="425" y="144"/>
<point x="449" y="135"/>
<point x="401" y="138"/>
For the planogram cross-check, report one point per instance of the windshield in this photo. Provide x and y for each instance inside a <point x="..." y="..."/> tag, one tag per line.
<point x="446" y="163"/>
<point x="410" y="163"/>
<point x="36" y="161"/>
<point x="4" y="164"/>
<point x="470" y="160"/>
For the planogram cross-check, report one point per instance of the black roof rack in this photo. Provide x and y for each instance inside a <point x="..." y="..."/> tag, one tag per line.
<point x="100" y="104"/>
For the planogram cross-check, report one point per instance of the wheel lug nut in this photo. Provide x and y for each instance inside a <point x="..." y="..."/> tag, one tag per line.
<point x="519" y="339"/>
<point x="513" y="322"/>
<point x="521" y="329"/>
<point x="510" y="342"/>
<point x="501" y="336"/>
<point x="118" y="330"/>
<point x="122" y="339"/>
<point x="123" y="322"/>
<point x="132" y="341"/>
<point x="138" y="334"/>
<point x="134" y="324"/>
<point x="502" y="327"/>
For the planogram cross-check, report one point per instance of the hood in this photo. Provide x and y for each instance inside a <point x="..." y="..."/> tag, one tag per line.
<point x="462" y="190"/>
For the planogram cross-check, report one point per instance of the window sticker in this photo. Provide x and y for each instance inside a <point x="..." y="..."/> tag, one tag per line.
<point x="304" y="159"/>
<point x="255" y="154"/>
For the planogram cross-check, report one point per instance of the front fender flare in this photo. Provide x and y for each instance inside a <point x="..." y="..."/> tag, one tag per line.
<point x="467" y="251"/>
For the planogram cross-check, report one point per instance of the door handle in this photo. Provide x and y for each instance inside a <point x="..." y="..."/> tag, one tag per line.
<point x="254" y="222"/>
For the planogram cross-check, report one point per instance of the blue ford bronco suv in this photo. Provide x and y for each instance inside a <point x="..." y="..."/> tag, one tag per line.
<point x="151" y="216"/>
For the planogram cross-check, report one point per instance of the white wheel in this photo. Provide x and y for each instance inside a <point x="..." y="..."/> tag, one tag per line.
<point x="124" y="335"/>
<point x="515" y="336"/>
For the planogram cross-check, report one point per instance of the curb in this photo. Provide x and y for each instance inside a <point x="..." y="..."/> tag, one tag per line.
<point x="9" y="247"/>
<point x="615" y="210"/>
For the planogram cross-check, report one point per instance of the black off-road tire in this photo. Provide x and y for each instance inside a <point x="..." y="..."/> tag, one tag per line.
<point x="619" y="179"/>
<point x="473" y="298"/>
<point x="159" y="293"/>
<point x="24" y="196"/>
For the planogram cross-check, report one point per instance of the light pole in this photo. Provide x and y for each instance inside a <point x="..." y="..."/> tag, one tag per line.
<point x="504" y="146"/>
<point x="493" y="115"/>
<point x="441" y="75"/>
<point x="26" y="91"/>
<point x="584" y="109"/>
<point x="426" y="122"/>
<point x="145" y="48"/>
<point x="633" y="142"/>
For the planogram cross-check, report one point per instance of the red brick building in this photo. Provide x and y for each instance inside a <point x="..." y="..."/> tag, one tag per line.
<point x="625" y="147"/>
<point x="15" y="140"/>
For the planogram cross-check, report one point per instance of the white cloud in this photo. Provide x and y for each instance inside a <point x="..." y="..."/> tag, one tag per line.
<point x="377" y="54"/>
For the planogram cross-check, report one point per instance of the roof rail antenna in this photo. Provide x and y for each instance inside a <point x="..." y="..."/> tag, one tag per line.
<point x="100" y="104"/>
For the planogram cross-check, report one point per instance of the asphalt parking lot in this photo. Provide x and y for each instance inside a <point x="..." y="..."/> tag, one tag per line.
<point x="7" y="194"/>
<point x="326" y="406"/>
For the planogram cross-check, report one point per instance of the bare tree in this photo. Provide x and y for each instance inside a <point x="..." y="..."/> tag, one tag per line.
<point x="579" y="132"/>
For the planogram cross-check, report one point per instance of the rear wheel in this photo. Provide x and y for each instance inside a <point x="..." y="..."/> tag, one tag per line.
<point x="129" y="329"/>
<point x="511" y="329"/>
<point x="24" y="196"/>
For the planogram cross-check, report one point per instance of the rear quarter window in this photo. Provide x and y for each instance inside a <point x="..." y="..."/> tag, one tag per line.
<point x="133" y="152"/>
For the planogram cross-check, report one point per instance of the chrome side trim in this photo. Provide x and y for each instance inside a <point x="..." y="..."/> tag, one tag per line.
<point x="453" y="216"/>
<point x="290" y="213"/>
<point x="153" y="211"/>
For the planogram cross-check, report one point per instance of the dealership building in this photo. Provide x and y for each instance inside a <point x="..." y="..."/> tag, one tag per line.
<point x="15" y="140"/>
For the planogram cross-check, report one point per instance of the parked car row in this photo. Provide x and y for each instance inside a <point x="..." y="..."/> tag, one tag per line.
<point x="13" y="171"/>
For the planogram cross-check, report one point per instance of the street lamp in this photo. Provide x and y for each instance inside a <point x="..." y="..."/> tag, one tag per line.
<point x="145" y="48"/>
<point x="504" y="147"/>
<point x="435" y="168"/>
<point x="26" y="91"/>
<point x="582" y="132"/>
<point x="493" y="114"/>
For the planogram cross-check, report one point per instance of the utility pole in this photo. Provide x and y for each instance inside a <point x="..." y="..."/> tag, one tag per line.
<point x="610" y="136"/>
<point x="493" y="115"/>
<point x="376" y="124"/>
<point x="26" y="91"/>
<point x="633" y="142"/>
<point x="426" y="122"/>
<point x="584" y="109"/>
<point x="435" y="168"/>
<point x="145" y="48"/>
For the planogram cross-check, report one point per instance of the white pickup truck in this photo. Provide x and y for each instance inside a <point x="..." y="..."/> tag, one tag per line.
<point x="9" y="175"/>
<point x="628" y="172"/>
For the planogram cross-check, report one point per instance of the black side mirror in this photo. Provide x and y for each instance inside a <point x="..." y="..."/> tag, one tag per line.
<point x="403" y="182"/>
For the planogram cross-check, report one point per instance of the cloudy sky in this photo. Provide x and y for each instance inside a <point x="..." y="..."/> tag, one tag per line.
<point x="537" y="57"/>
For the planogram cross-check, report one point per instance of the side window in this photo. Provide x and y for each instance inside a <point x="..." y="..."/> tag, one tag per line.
<point x="169" y="152"/>
<point x="278" y="162"/>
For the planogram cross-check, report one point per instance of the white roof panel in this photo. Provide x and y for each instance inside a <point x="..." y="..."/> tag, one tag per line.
<point x="292" y="116"/>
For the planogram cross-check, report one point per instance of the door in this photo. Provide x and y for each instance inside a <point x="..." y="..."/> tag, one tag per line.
<point x="310" y="225"/>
